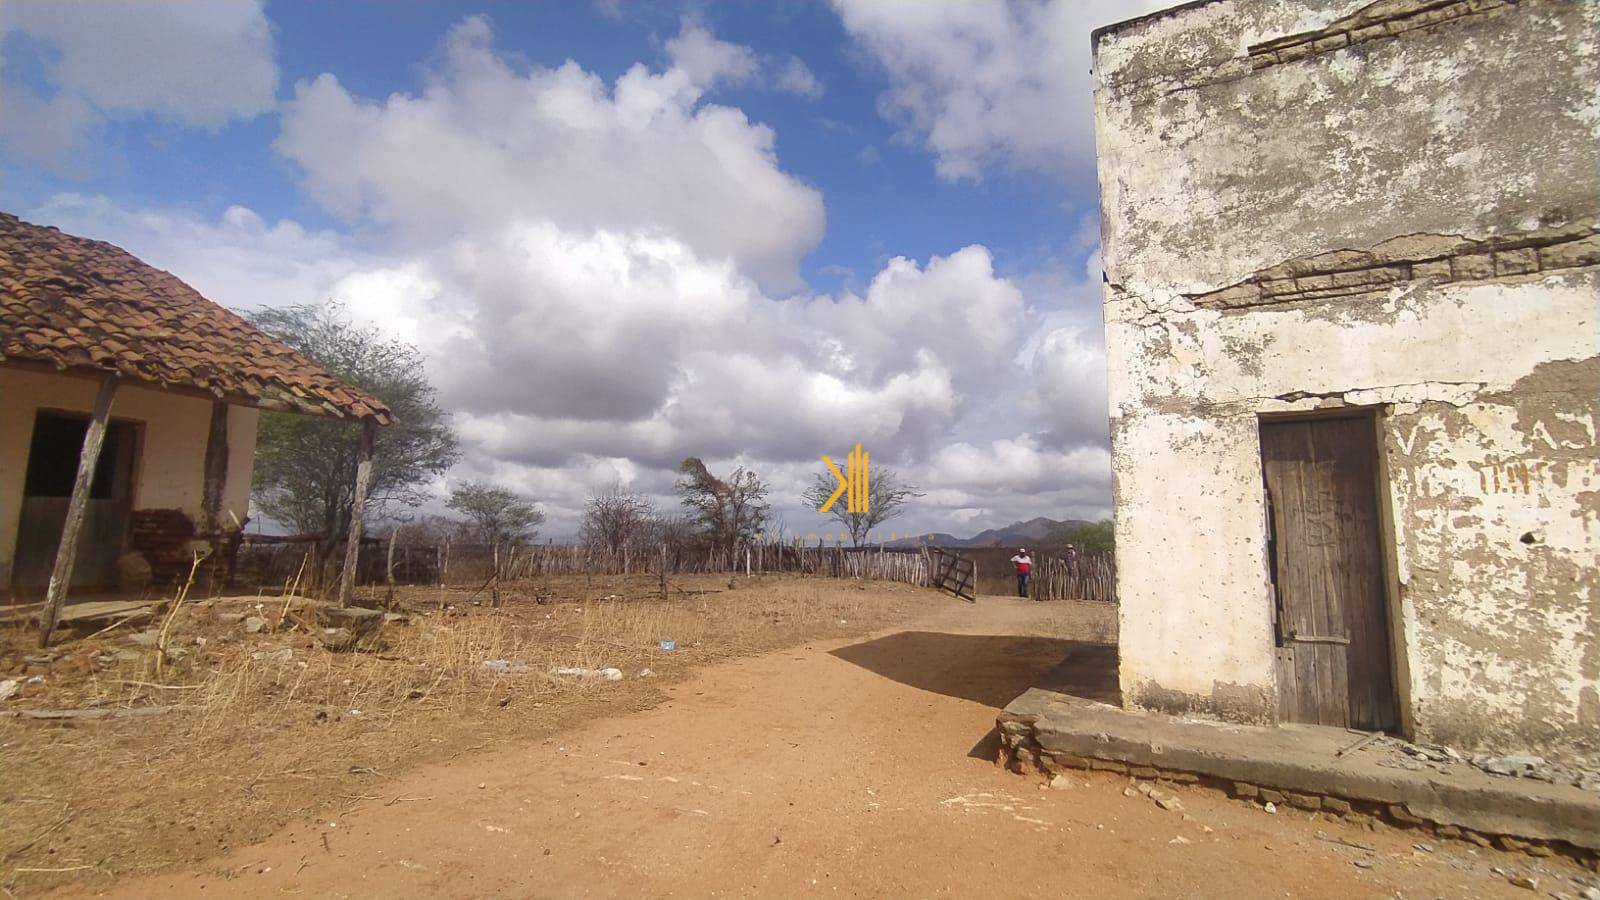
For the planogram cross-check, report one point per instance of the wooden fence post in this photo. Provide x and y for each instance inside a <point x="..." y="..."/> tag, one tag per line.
<point x="358" y="510"/>
<point x="88" y="458"/>
<point x="388" y="573"/>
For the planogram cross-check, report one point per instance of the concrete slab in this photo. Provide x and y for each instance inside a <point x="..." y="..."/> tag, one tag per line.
<point x="1055" y="730"/>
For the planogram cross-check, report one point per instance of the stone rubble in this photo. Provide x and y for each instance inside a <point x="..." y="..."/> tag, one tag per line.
<point x="1416" y="757"/>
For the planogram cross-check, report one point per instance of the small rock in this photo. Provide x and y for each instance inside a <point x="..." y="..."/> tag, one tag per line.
<point x="9" y="687"/>
<point x="1362" y="863"/>
<point x="1167" y="802"/>
<point x="1180" y="839"/>
<point x="1508" y="765"/>
<point x="145" y="638"/>
<point x="607" y="674"/>
<point x="1525" y="882"/>
<point x="281" y="655"/>
<point x="255" y="625"/>
<point x="339" y="640"/>
<point x="1425" y="848"/>
<point x="1060" y="782"/>
<point x="1271" y="807"/>
<point x="1129" y="792"/>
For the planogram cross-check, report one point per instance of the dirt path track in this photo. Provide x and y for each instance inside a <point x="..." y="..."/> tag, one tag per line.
<point x="847" y="769"/>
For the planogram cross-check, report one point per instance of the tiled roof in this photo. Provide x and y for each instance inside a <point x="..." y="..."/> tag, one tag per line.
<point x="81" y="304"/>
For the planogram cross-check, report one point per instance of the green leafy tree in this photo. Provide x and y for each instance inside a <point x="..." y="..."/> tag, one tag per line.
<point x="1090" y="538"/>
<point x="495" y="516"/>
<point x="887" y="495"/>
<point x="730" y="511"/>
<point x="305" y="466"/>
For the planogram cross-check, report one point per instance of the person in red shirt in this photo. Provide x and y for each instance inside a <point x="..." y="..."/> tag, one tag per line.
<point x="1024" y="569"/>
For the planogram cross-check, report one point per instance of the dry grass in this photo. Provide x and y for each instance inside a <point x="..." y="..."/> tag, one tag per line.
<point x="254" y="740"/>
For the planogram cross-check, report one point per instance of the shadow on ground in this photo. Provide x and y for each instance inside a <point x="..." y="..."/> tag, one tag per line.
<point x="990" y="669"/>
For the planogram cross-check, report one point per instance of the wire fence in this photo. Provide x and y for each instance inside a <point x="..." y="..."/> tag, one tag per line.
<point x="305" y="562"/>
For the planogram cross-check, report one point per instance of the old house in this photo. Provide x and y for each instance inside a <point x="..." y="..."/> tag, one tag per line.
<point x="1352" y="279"/>
<point x="120" y="376"/>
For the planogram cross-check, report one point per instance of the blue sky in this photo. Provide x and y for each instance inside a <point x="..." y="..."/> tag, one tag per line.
<point x="880" y="215"/>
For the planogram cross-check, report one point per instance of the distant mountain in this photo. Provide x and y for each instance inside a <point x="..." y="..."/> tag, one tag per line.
<point x="1016" y="534"/>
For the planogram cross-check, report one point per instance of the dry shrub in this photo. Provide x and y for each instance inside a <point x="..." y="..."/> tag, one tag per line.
<point x="254" y="740"/>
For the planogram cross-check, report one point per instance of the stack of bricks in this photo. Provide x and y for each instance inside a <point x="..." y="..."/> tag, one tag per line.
<point x="163" y="537"/>
<point x="1436" y="258"/>
<point x="1386" y="18"/>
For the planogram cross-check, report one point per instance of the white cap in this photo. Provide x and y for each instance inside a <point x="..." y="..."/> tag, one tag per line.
<point x="1022" y="549"/>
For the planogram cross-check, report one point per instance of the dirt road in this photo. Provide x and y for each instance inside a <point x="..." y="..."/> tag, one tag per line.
<point x="845" y="769"/>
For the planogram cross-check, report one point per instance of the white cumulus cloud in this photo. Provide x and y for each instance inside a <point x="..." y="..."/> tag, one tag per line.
<point x="989" y="84"/>
<point x="489" y="142"/>
<point x="603" y="278"/>
<point x="197" y="63"/>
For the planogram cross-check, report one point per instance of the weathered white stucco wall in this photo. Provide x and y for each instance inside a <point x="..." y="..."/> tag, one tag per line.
<point x="1458" y="158"/>
<point x="169" y="473"/>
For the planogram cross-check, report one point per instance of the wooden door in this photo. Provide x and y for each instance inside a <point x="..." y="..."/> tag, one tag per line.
<point x="1333" y="654"/>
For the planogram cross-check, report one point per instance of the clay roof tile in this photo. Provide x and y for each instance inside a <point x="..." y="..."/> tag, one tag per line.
<point x="72" y="301"/>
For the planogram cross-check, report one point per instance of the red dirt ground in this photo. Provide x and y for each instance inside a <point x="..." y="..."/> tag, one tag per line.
<point x="848" y="768"/>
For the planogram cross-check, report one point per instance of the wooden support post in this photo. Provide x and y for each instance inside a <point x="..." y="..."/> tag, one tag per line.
<point x="216" y="467"/>
<point x="214" y="479"/>
<point x="358" y="509"/>
<point x="88" y="458"/>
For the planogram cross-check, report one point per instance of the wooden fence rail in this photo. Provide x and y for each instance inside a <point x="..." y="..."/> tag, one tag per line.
<point x="1089" y="577"/>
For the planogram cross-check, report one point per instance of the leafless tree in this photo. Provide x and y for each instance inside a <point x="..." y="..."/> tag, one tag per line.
<point x="887" y="495"/>
<point x="617" y="519"/>
<point x="677" y="536"/>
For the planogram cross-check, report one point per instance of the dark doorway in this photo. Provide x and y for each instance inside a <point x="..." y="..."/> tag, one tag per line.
<point x="1325" y="548"/>
<point x="52" y="468"/>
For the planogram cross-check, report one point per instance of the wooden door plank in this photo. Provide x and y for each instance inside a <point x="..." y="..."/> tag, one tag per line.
<point x="1328" y="558"/>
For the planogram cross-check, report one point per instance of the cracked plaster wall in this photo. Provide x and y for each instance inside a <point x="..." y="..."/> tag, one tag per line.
<point x="1483" y="126"/>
